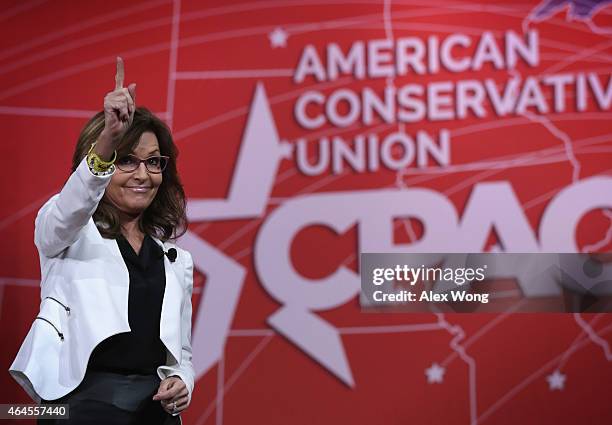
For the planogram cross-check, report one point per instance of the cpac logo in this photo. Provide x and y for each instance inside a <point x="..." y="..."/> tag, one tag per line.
<point x="491" y="205"/>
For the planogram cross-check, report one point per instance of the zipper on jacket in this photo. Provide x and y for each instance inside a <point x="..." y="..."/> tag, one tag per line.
<point x="61" y="335"/>
<point x="60" y="303"/>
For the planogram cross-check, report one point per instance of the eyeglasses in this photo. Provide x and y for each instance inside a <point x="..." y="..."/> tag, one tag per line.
<point x="153" y="164"/>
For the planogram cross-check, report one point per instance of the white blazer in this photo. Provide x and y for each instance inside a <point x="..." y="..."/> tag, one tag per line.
<point x="84" y="296"/>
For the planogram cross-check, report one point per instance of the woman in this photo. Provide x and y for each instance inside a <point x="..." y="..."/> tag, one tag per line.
<point x="113" y="335"/>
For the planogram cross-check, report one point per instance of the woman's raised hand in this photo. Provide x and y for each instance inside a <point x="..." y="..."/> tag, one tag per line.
<point x="119" y="105"/>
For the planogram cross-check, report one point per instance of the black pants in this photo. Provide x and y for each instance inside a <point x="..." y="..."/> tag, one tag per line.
<point x="107" y="398"/>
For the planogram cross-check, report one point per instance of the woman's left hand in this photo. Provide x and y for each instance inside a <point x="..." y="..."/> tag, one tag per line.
<point x="173" y="394"/>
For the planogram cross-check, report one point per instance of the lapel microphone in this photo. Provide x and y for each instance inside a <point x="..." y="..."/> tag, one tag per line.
<point x="171" y="254"/>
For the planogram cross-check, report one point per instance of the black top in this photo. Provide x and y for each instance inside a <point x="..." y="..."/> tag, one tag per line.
<point x="139" y="351"/>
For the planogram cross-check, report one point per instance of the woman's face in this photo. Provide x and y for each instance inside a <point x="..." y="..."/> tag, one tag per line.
<point x="132" y="192"/>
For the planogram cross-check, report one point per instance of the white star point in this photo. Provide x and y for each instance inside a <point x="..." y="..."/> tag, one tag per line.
<point x="556" y="381"/>
<point x="278" y="38"/>
<point x="286" y="149"/>
<point x="435" y="374"/>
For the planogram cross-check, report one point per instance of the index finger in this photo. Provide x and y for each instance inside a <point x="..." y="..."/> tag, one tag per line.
<point x="120" y="74"/>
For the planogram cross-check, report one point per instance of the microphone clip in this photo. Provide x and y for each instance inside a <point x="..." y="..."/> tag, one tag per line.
<point x="171" y="254"/>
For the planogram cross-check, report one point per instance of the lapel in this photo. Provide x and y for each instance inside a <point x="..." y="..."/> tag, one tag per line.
<point x="113" y="248"/>
<point x="170" y="324"/>
<point x="116" y="254"/>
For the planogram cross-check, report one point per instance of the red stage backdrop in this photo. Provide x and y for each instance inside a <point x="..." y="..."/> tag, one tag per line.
<point x="311" y="131"/>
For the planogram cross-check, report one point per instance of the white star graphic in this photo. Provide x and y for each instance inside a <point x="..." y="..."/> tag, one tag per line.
<point x="278" y="38"/>
<point x="435" y="374"/>
<point x="556" y="381"/>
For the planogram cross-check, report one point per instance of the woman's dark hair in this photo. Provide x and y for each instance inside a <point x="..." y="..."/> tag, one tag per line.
<point x="165" y="218"/>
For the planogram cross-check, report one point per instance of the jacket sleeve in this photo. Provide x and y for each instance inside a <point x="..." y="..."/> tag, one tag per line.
<point x="185" y="370"/>
<point x="59" y="221"/>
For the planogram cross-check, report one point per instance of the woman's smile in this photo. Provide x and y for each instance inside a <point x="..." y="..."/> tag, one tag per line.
<point x="140" y="189"/>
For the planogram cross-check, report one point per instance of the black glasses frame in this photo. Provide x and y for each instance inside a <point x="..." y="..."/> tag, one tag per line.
<point x="163" y="163"/>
